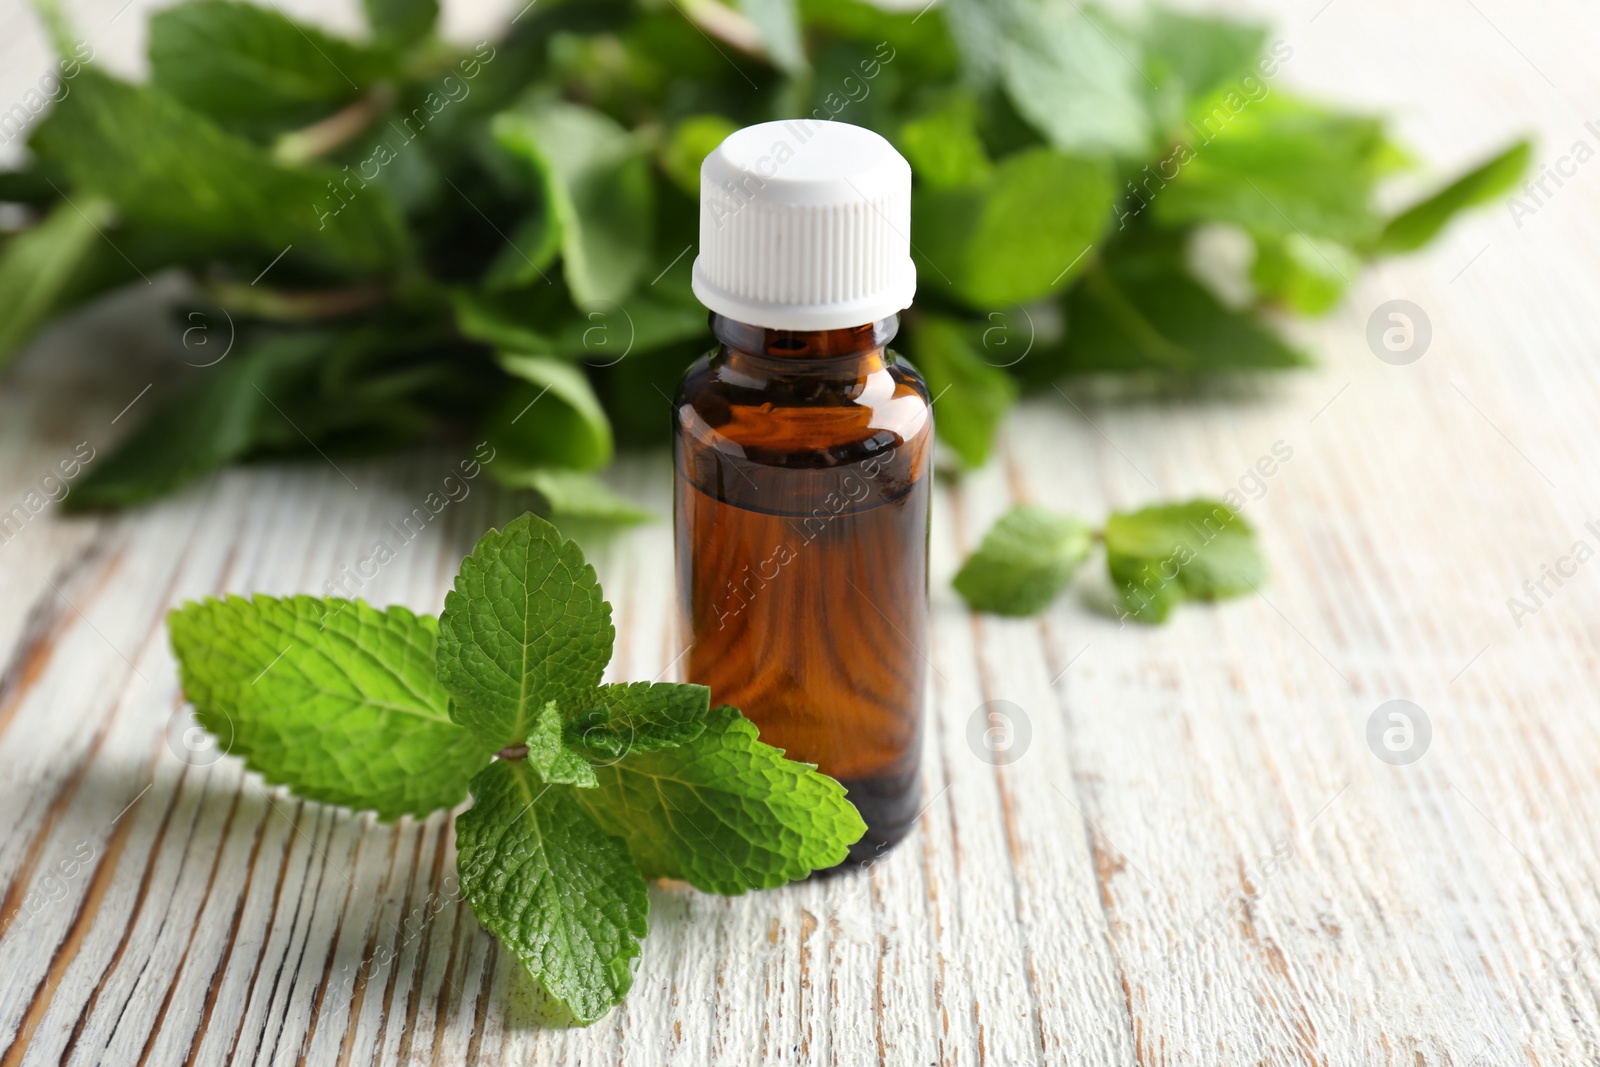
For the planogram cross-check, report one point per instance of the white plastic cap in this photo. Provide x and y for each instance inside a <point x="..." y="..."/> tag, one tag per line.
<point x="805" y="225"/>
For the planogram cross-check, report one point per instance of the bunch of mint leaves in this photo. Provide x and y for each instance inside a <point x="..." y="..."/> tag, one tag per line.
<point x="396" y="238"/>
<point x="1157" y="557"/>
<point x="580" y="791"/>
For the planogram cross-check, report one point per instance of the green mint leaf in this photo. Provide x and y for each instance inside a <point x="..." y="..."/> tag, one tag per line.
<point x="980" y="29"/>
<point x="916" y="40"/>
<point x="1025" y="561"/>
<point x="1303" y="273"/>
<point x="517" y="321"/>
<point x="333" y="698"/>
<point x="35" y="186"/>
<point x="168" y="167"/>
<point x="1421" y="223"/>
<point x="218" y="417"/>
<point x="401" y="21"/>
<point x="1199" y="550"/>
<point x="572" y="496"/>
<point x="251" y="68"/>
<point x="561" y="894"/>
<point x="525" y="260"/>
<point x="542" y="323"/>
<point x="551" y="417"/>
<point x="1204" y="53"/>
<point x="596" y="175"/>
<point x="40" y="266"/>
<point x="943" y="147"/>
<point x="640" y="717"/>
<point x="724" y="812"/>
<point x="1275" y="165"/>
<point x="1068" y="72"/>
<point x="549" y="755"/>
<point x="1025" y="232"/>
<point x="973" y="395"/>
<point x="692" y="140"/>
<point x="779" y="26"/>
<point x="525" y="625"/>
<point x="1149" y="315"/>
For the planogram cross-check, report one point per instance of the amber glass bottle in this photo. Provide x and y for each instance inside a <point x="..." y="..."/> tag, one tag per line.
<point x="803" y="464"/>
<point x="803" y="450"/>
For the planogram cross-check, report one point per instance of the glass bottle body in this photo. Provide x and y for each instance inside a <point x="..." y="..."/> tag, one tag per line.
<point x="803" y="470"/>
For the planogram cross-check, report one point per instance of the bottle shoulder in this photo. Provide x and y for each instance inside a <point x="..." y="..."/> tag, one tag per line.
<point x="803" y="412"/>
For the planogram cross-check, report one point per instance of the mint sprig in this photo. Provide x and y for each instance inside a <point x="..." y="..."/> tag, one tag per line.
<point x="1157" y="558"/>
<point x="580" y="791"/>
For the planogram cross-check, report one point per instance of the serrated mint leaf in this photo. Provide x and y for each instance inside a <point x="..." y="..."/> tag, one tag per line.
<point x="549" y="755"/>
<point x="250" y="67"/>
<point x="333" y="698"/>
<point x="724" y="812"/>
<point x="564" y="897"/>
<point x="640" y="717"/>
<point x="550" y="417"/>
<point x="525" y="625"/>
<point x="1026" y="231"/>
<point x="1199" y="550"/>
<point x="1421" y="223"/>
<point x="1025" y="561"/>
<point x="169" y="167"/>
<point x="973" y="395"/>
<point x="596" y="175"/>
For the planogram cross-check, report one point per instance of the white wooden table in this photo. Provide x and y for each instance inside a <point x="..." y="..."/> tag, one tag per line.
<point x="1194" y="857"/>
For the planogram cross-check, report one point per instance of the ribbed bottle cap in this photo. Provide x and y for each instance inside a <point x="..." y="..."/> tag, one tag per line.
<point x="805" y="225"/>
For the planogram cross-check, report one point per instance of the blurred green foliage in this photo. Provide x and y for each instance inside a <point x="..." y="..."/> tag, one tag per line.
<point x="411" y="238"/>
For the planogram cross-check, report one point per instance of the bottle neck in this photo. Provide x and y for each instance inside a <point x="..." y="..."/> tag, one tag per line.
<point x="851" y="344"/>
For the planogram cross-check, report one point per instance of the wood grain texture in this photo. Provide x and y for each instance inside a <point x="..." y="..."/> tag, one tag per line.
<point x="1194" y="858"/>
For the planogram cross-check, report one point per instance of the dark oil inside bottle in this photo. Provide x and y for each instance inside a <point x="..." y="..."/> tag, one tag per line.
<point x="803" y="473"/>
